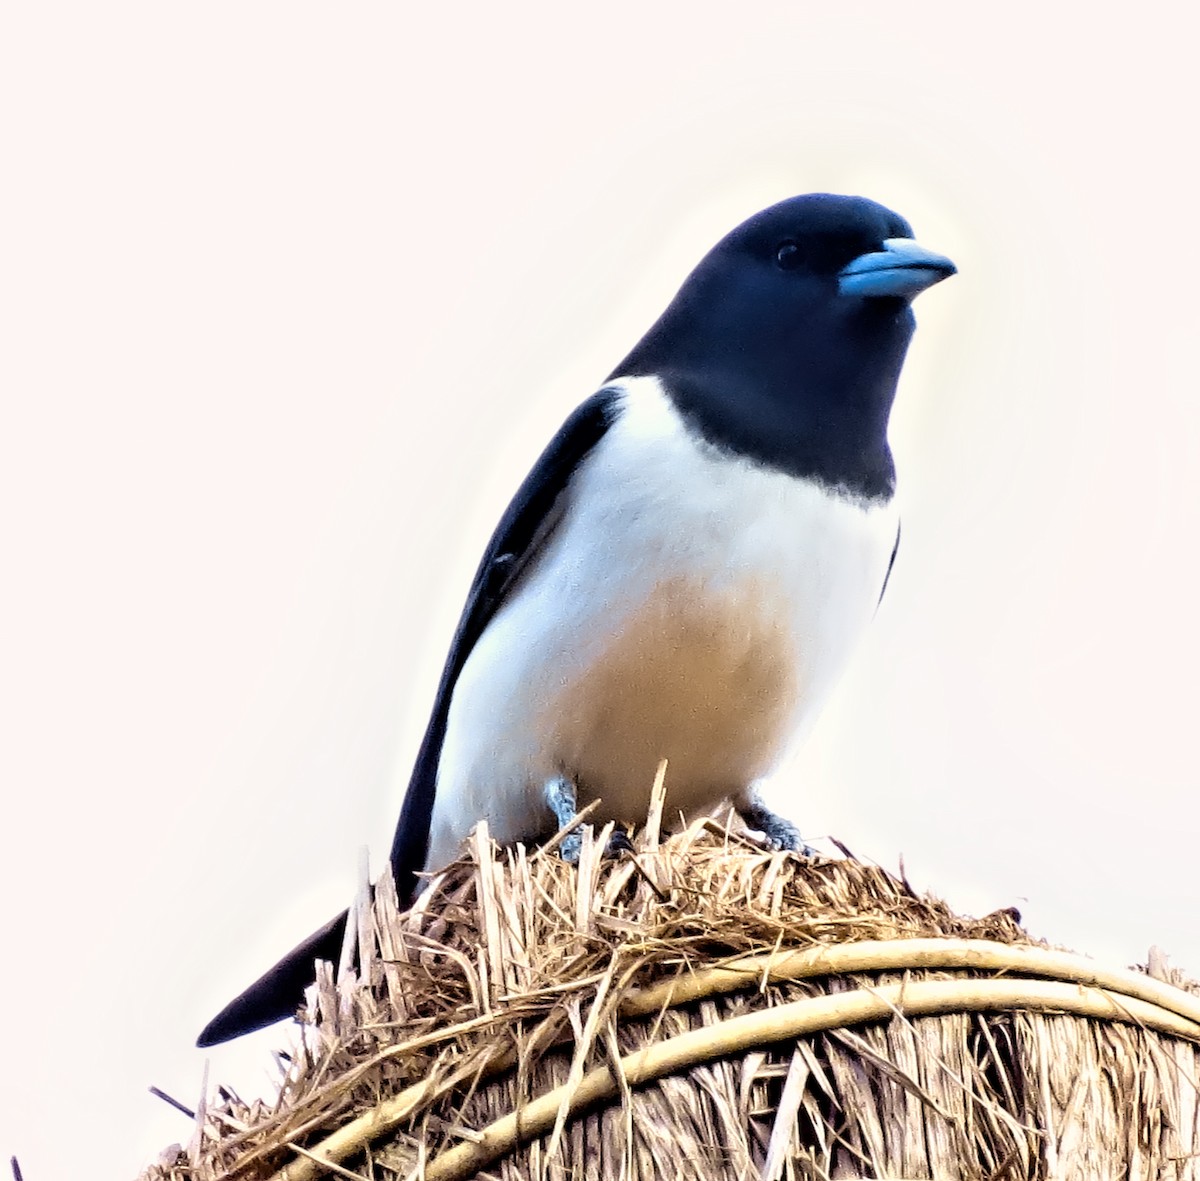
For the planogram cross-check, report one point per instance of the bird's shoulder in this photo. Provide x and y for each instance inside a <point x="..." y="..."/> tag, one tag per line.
<point x="536" y="506"/>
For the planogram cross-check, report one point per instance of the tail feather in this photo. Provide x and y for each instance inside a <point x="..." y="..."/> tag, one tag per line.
<point x="279" y="992"/>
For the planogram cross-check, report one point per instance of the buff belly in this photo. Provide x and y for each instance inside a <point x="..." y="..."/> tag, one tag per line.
<point x="689" y="607"/>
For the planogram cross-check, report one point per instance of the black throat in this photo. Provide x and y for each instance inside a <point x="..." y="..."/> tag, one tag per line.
<point x="818" y="409"/>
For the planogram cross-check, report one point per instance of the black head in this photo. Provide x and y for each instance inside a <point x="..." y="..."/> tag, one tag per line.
<point x="786" y="342"/>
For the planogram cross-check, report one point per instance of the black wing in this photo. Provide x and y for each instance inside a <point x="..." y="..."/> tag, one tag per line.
<point x="527" y="523"/>
<point x="891" y="563"/>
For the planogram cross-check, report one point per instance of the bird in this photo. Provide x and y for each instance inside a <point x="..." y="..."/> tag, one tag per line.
<point x="687" y="568"/>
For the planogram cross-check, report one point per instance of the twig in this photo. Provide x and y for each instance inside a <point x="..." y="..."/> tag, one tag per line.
<point x="785" y="1023"/>
<point x="173" y="1102"/>
<point x="899" y="955"/>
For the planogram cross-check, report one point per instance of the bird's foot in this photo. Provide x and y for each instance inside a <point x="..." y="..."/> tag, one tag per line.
<point x="778" y="832"/>
<point x="561" y="799"/>
<point x="619" y="843"/>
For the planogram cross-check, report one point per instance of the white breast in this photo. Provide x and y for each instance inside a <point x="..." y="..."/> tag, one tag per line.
<point x="690" y="606"/>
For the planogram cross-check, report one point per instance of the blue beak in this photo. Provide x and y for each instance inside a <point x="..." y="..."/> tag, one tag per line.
<point x="901" y="268"/>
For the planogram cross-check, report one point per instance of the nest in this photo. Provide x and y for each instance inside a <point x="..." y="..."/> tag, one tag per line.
<point x="705" y="1009"/>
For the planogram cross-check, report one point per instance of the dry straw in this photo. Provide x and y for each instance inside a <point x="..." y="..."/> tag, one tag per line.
<point x="709" y="1010"/>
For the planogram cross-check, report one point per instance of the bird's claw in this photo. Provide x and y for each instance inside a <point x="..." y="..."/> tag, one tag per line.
<point x="618" y="845"/>
<point x="571" y="847"/>
<point x="560" y="797"/>
<point x="778" y="833"/>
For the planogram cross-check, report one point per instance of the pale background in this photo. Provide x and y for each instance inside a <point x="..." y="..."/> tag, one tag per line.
<point x="292" y="295"/>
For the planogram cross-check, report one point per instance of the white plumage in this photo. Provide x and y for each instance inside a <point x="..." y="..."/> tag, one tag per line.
<point x="690" y="605"/>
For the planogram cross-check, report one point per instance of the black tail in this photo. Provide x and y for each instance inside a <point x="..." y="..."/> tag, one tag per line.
<point x="279" y="992"/>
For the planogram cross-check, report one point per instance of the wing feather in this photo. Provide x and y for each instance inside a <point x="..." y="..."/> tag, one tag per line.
<point x="527" y="523"/>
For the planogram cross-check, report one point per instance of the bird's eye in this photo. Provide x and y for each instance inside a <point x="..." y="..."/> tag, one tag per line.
<point x="788" y="256"/>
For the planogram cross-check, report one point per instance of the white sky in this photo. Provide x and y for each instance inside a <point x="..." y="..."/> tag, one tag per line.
<point x="291" y="296"/>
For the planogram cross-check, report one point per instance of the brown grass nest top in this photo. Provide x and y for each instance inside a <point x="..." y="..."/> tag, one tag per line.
<point x="707" y="1009"/>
